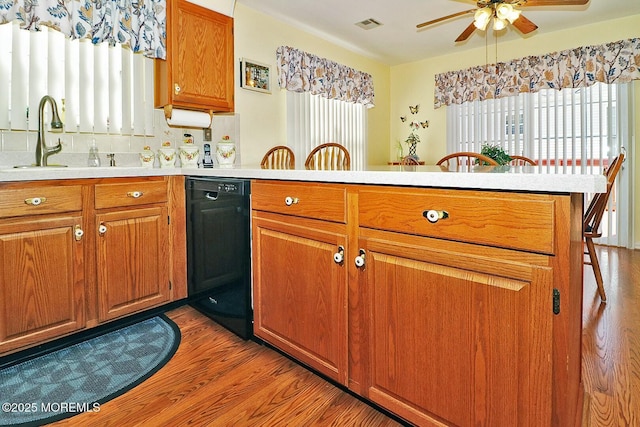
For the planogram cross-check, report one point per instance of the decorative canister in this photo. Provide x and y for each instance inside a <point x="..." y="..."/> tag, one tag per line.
<point x="147" y="157"/>
<point x="189" y="155"/>
<point x="226" y="152"/>
<point x="167" y="155"/>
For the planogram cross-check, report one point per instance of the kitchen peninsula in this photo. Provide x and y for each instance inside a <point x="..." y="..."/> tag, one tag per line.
<point x="447" y="298"/>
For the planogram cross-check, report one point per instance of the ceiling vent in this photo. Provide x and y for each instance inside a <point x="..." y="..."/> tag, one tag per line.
<point x="368" y="24"/>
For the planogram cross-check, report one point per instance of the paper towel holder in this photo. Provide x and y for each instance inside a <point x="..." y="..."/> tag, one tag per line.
<point x="168" y="114"/>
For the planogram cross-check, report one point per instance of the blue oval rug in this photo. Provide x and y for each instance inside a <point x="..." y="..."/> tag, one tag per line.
<point x="81" y="377"/>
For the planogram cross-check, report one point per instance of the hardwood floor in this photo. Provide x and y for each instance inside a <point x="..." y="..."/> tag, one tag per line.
<point x="216" y="379"/>
<point x="611" y="340"/>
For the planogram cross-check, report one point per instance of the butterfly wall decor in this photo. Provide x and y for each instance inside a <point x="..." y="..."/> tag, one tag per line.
<point x="403" y="118"/>
<point x="414" y="109"/>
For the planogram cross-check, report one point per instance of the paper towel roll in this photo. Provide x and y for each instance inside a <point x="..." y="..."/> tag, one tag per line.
<point x="188" y="118"/>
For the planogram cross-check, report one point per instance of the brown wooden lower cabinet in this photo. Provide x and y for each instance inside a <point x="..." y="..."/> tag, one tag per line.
<point x="77" y="253"/>
<point x="41" y="280"/>
<point x="441" y="328"/>
<point x="133" y="262"/>
<point x="302" y="290"/>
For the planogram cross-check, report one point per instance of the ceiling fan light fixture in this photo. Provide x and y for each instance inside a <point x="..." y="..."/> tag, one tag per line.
<point x="482" y="17"/>
<point x="499" y="24"/>
<point x="507" y="12"/>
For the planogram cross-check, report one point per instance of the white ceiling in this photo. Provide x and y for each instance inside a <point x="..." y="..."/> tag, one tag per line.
<point x="398" y="41"/>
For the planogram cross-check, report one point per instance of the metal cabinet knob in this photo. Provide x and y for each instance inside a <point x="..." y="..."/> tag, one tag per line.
<point x="359" y="260"/>
<point x="290" y="200"/>
<point x="434" y="216"/>
<point x="35" y="201"/>
<point x="78" y="233"/>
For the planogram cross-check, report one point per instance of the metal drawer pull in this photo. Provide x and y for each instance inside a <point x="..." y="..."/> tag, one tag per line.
<point x="359" y="261"/>
<point x="35" y="201"/>
<point x="135" y="194"/>
<point x="291" y="201"/>
<point x="338" y="257"/>
<point x="434" y="216"/>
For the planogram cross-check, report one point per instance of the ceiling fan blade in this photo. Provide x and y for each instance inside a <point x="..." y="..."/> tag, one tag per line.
<point x="453" y="15"/>
<point x="524" y="25"/>
<point x="466" y="33"/>
<point x="554" y="2"/>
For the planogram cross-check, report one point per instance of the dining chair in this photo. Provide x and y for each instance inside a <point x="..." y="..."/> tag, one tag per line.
<point x="328" y="156"/>
<point x="592" y="218"/>
<point x="517" y="160"/>
<point x="409" y="161"/>
<point x="279" y="157"/>
<point x="466" y="160"/>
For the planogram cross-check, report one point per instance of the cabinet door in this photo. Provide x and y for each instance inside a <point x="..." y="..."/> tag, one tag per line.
<point x="41" y="280"/>
<point x="457" y="332"/>
<point x="132" y="261"/>
<point x="198" y="72"/>
<point x="300" y="291"/>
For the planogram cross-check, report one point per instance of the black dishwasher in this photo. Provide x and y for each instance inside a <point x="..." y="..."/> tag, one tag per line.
<point x="219" y="251"/>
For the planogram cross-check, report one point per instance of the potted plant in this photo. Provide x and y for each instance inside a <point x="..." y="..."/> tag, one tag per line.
<point x="495" y="152"/>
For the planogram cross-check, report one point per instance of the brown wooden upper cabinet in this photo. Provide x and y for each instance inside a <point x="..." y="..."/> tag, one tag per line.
<point x="198" y="73"/>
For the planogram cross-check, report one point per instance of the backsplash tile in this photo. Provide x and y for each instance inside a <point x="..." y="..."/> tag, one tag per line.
<point x="18" y="147"/>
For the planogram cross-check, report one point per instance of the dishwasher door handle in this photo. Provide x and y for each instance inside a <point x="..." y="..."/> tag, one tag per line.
<point x="211" y="195"/>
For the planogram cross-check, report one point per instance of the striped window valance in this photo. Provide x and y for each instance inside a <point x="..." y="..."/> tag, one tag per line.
<point x="140" y="26"/>
<point x="299" y="71"/>
<point x="615" y="62"/>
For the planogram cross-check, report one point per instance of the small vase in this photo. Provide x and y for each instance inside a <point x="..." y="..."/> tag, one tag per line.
<point x="226" y="153"/>
<point x="412" y="150"/>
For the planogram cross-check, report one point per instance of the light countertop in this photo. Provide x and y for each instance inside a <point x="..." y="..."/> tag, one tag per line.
<point x="515" y="178"/>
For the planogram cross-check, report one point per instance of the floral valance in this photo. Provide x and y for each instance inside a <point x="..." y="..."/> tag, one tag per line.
<point x="138" y="25"/>
<point x="616" y="62"/>
<point x="300" y="71"/>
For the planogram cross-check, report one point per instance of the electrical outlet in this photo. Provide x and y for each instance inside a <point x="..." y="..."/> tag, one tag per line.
<point x="207" y="134"/>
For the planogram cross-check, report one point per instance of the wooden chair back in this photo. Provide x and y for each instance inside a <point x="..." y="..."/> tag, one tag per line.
<point x="465" y="161"/>
<point x="593" y="217"/>
<point x="328" y="156"/>
<point x="522" y="161"/>
<point x="279" y="157"/>
<point x="409" y="161"/>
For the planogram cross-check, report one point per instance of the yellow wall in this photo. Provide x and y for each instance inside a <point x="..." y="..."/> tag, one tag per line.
<point x="263" y="117"/>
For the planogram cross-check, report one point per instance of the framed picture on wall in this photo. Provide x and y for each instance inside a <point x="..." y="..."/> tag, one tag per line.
<point x="255" y="75"/>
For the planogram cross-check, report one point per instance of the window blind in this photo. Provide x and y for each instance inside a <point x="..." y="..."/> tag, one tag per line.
<point x="313" y="120"/>
<point x="99" y="88"/>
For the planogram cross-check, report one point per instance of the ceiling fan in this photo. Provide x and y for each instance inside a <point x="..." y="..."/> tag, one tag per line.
<point x="502" y="12"/>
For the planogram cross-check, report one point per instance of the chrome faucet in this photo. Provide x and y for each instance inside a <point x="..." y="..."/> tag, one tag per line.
<point x="42" y="151"/>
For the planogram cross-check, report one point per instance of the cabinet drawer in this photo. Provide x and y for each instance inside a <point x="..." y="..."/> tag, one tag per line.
<point x="508" y="220"/>
<point x="40" y="200"/>
<point x="130" y="194"/>
<point x="319" y="201"/>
